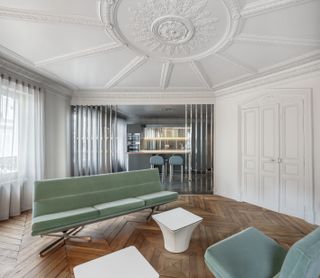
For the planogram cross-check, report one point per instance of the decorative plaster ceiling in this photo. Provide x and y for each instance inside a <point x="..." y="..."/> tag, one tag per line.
<point x="159" y="45"/>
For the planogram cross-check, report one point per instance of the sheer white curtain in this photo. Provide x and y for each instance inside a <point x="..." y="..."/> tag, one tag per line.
<point x="21" y="144"/>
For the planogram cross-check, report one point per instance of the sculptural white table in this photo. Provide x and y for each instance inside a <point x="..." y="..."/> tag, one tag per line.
<point x="177" y="226"/>
<point x="127" y="262"/>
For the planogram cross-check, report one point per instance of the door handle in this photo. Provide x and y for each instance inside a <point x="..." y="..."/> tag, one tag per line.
<point x="278" y="160"/>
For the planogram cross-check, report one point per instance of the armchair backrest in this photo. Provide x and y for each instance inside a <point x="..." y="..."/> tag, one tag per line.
<point x="303" y="258"/>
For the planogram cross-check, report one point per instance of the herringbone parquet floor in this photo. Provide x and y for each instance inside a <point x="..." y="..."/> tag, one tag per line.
<point x="222" y="218"/>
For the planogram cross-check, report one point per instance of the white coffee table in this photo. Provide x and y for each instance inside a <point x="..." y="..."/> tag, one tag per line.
<point x="127" y="262"/>
<point x="177" y="226"/>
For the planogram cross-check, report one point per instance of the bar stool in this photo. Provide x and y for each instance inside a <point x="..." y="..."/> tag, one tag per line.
<point x="175" y="160"/>
<point x="157" y="160"/>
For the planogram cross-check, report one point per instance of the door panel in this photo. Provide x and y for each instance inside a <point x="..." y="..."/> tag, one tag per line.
<point x="292" y="159"/>
<point x="269" y="153"/>
<point x="250" y="155"/>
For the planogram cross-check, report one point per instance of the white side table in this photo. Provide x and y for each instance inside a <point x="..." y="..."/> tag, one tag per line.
<point x="127" y="262"/>
<point x="177" y="226"/>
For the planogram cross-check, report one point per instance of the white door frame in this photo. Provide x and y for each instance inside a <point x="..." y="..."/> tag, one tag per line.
<point x="276" y="95"/>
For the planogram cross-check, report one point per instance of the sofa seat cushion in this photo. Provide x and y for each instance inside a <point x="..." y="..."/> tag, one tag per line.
<point x="57" y="221"/>
<point x="118" y="207"/>
<point x="248" y="254"/>
<point x="158" y="198"/>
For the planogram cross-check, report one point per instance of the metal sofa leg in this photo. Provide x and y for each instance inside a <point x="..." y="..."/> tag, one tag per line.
<point x="52" y="246"/>
<point x="62" y="240"/>
<point x="152" y="211"/>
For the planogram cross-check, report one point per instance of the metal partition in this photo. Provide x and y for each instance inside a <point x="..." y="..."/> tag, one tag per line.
<point x="199" y="118"/>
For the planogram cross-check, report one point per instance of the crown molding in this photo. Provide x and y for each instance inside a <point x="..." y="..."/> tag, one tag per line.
<point x="166" y="72"/>
<point x="201" y="74"/>
<point x="276" y="40"/>
<point x="16" y="65"/>
<point x="294" y="69"/>
<point x="134" y="64"/>
<point x="265" y="6"/>
<point x="101" y="91"/>
<point x="138" y="97"/>
<point x="41" y="16"/>
<point x="110" y="47"/>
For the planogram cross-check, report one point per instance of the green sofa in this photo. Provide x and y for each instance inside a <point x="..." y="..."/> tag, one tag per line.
<point x="62" y="204"/>
<point x="251" y="254"/>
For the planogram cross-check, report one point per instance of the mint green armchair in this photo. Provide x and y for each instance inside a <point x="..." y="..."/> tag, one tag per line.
<point x="251" y="254"/>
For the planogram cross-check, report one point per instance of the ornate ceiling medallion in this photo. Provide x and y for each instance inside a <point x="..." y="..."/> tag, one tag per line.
<point x="173" y="27"/>
<point x="174" y="30"/>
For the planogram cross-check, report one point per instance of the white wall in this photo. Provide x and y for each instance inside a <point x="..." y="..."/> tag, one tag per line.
<point x="57" y="135"/>
<point x="227" y="136"/>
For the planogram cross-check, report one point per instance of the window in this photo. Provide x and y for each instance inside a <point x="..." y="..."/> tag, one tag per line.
<point x="8" y="134"/>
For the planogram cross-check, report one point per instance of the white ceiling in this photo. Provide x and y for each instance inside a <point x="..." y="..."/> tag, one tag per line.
<point x="159" y="45"/>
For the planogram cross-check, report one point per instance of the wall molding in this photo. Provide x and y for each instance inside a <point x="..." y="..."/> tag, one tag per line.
<point x="45" y="17"/>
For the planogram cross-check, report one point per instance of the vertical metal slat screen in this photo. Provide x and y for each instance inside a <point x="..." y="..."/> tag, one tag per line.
<point x="199" y="118"/>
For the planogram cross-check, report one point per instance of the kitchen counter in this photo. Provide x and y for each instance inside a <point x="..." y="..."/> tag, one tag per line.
<point x="160" y="152"/>
<point x="141" y="159"/>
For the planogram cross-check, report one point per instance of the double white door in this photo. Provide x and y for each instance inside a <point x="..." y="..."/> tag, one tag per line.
<point x="273" y="155"/>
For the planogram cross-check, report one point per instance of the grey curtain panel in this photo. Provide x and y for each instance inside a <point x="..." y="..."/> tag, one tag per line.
<point x="98" y="140"/>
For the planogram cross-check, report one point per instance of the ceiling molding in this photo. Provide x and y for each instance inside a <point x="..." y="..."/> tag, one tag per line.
<point x="108" y="15"/>
<point x="276" y="40"/>
<point x="201" y="74"/>
<point x="41" y="16"/>
<point x="101" y="91"/>
<point x="24" y="71"/>
<point x="265" y="6"/>
<point x="138" y="98"/>
<point x="110" y="47"/>
<point x="134" y="64"/>
<point x="308" y="65"/>
<point x="166" y="72"/>
<point x="236" y="62"/>
<point x="296" y="68"/>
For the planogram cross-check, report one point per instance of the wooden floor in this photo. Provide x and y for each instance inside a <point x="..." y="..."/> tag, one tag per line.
<point x="222" y="218"/>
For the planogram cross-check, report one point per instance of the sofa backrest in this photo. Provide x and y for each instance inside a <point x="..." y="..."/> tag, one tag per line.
<point x="303" y="258"/>
<point x="57" y="195"/>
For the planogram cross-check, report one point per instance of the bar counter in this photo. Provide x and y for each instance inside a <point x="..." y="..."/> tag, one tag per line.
<point x="160" y="152"/>
<point x="141" y="159"/>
